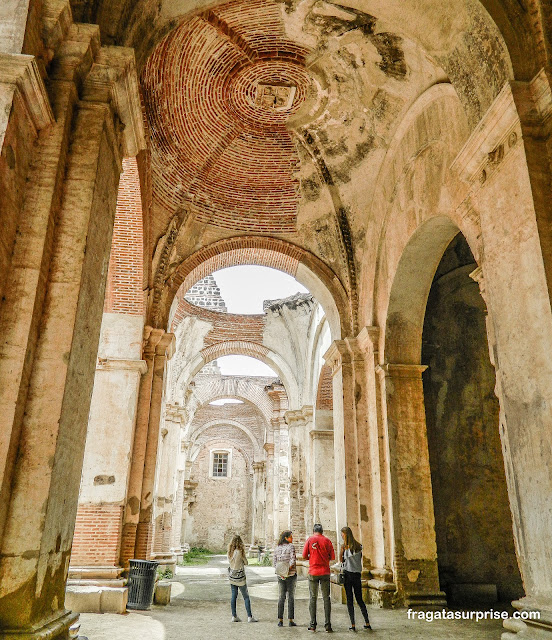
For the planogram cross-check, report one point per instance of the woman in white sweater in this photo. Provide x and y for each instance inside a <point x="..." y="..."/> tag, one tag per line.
<point x="236" y="575"/>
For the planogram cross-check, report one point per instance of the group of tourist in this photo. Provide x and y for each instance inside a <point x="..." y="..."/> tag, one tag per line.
<point x="319" y="551"/>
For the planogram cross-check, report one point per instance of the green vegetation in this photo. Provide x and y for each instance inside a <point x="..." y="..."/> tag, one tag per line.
<point x="164" y="574"/>
<point x="197" y="555"/>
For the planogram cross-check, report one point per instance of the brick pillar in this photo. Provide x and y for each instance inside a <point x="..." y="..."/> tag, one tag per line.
<point x="61" y="266"/>
<point x="137" y="536"/>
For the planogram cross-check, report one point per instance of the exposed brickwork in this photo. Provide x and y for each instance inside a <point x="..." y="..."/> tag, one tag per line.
<point x="227" y="326"/>
<point x="128" y="541"/>
<point x="97" y="535"/>
<point x="324" y="396"/>
<point x="234" y="347"/>
<point x="125" y="276"/>
<point x="144" y="541"/>
<point x="228" y="151"/>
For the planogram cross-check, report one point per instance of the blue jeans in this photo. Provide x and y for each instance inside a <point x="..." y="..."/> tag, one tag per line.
<point x="245" y="595"/>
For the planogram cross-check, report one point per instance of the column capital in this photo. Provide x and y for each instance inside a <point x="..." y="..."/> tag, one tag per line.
<point x="401" y="370"/>
<point x="21" y="71"/>
<point x="296" y="417"/>
<point x="158" y="342"/>
<point x="533" y="100"/>
<point x="337" y="355"/>
<point x="368" y="339"/>
<point x="269" y="448"/>
<point x="113" y="364"/>
<point x="259" y="465"/>
<point x="319" y="434"/>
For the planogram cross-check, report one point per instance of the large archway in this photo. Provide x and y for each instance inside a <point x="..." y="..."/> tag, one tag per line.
<point x="428" y="455"/>
<point x="473" y="523"/>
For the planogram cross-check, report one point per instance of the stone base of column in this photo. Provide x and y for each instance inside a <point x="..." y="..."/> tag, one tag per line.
<point x="435" y="601"/>
<point x="166" y="561"/>
<point x="97" y="576"/>
<point x="529" y="629"/>
<point x="378" y="588"/>
<point x="61" y="627"/>
<point x="178" y="552"/>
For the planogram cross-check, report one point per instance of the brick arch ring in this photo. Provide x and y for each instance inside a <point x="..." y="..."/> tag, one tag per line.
<point x="278" y="254"/>
<point x="241" y="348"/>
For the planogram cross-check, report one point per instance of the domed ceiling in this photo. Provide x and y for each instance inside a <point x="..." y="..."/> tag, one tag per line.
<point x="219" y="91"/>
<point x="274" y="117"/>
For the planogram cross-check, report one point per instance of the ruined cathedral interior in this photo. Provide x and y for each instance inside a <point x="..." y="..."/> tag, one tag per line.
<point x="393" y="157"/>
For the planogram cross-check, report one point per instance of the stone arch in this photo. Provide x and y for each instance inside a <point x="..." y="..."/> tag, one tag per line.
<point x="242" y="348"/>
<point x="225" y="422"/>
<point x="309" y="270"/>
<point x="411" y="284"/>
<point x="423" y="149"/>
<point x="236" y="388"/>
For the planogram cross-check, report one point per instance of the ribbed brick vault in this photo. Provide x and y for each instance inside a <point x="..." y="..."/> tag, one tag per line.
<point x="218" y="91"/>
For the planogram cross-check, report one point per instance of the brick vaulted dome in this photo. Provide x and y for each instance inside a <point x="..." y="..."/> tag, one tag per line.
<point x="219" y="90"/>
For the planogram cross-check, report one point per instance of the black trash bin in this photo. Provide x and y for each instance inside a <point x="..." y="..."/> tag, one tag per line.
<point x="141" y="583"/>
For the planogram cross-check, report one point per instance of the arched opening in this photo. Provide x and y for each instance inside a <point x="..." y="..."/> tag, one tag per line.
<point x="473" y="525"/>
<point x="452" y="526"/>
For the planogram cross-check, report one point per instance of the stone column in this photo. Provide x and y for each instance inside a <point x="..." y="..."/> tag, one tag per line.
<point x="259" y="503"/>
<point x="137" y="525"/>
<point x="299" y="423"/>
<point x="339" y="358"/>
<point x="189" y="498"/>
<point x="374" y="478"/>
<point x="178" y="506"/>
<point x="270" y="506"/>
<point x="167" y="484"/>
<point x="415" y="549"/>
<point x="322" y="478"/>
<point x="56" y="327"/>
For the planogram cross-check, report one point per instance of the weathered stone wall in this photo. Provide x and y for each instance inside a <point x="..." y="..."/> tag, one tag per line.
<point x="473" y="521"/>
<point x="223" y="506"/>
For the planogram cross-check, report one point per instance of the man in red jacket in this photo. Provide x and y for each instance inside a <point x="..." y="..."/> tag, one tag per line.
<point x="319" y="550"/>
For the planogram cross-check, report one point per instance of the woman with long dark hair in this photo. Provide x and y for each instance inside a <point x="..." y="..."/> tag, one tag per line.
<point x="284" y="564"/>
<point x="236" y="575"/>
<point x="351" y="558"/>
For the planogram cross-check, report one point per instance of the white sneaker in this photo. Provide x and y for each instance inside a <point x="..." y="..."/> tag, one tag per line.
<point x="235" y="619"/>
<point x="252" y="619"/>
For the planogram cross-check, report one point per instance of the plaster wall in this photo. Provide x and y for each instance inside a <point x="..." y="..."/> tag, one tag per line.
<point x="113" y="411"/>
